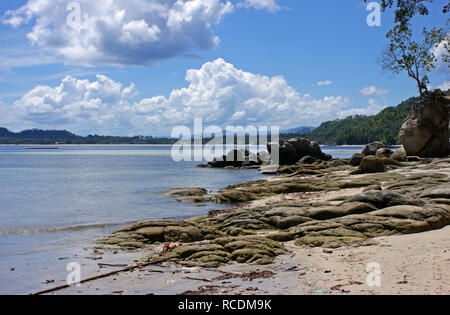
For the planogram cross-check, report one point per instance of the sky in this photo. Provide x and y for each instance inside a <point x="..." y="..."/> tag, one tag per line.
<point x="128" y="67"/>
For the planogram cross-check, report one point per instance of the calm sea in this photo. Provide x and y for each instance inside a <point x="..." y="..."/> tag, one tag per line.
<point x="53" y="203"/>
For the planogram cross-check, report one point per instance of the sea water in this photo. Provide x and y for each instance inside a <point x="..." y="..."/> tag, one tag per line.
<point x="53" y="203"/>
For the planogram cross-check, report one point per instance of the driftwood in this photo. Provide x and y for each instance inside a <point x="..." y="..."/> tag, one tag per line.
<point x="198" y="279"/>
<point x="112" y="265"/>
<point x="105" y="275"/>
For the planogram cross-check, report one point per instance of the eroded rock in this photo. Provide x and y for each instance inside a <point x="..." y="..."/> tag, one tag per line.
<point x="372" y="148"/>
<point x="372" y="164"/>
<point x="293" y="150"/>
<point x="425" y="130"/>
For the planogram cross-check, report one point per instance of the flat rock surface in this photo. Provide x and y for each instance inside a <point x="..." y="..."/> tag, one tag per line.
<point x="313" y="229"/>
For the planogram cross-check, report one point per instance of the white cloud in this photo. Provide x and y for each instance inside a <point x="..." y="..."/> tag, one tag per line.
<point x="222" y="95"/>
<point x="444" y="86"/>
<point x="374" y="108"/>
<point x="5" y="114"/>
<point x="373" y="91"/>
<point x="269" y="5"/>
<point x="218" y="92"/>
<point x="322" y="83"/>
<point x="77" y="104"/>
<point x="122" y="32"/>
<point x="439" y="52"/>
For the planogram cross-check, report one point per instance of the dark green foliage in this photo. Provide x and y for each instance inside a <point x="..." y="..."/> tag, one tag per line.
<point x="37" y="136"/>
<point x="354" y="130"/>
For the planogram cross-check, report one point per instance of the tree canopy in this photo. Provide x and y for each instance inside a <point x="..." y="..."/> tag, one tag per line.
<point x="414" y="57"/>
<point x="358" y="130"/>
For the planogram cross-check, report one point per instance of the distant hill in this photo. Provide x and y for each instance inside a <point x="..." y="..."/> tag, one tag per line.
<point x="303" y="129"/>
<point x="4" y="133"/>
<point x="37" y="136"/>
<point x="356" y="130"/>
<point x="40" y="134"/>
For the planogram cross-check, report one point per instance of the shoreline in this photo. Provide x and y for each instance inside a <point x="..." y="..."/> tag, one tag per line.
<point x="413" y="264"/>
<point x="304" y="269"/>
<point x="158" y="145"/>
<point x="316" y="268"/>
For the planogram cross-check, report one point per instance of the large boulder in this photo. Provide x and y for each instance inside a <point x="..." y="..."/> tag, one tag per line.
<point x="372" y="148"/>
<point x="425" y="131"/>
<point x="295" y="149"/>
<point x="399" y="155"/>
<point x="384" y="153"/>
<point x="356" y="159"/>
<point x="372" y="164"/>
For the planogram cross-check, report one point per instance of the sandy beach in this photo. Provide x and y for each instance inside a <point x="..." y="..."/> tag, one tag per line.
<point x="410" y="264"/>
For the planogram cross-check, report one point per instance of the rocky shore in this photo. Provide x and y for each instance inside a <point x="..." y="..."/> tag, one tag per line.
<point x="313" y="206"/>
<point x="328" y="204"/>
<point x="311" y="229"/>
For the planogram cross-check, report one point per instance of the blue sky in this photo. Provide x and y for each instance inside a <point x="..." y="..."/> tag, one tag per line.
<point x="125" y="70"/>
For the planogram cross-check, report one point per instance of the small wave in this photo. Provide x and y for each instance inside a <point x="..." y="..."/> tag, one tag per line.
<point x="74" y="228"/>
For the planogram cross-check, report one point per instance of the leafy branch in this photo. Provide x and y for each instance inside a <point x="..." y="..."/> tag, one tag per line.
<point x="416" y="58"/>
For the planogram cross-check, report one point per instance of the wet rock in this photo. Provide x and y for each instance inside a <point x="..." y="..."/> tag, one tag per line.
<point x="246" y="249"/>
<point x="192" y="199"/>
<point x="372" y="164"/>
<point x="254" y="192"/>
<point x="334" y="238"/>
<point x="284" y="223"/>
<point x="373" y="187"/>
<point x="336" y="163"/>
<point x="236" y="158"/>
<point x="392" y="162"/>
<point x="384" y="199"/>
<point x="372" y="148"/>
<point x="293" y="150"/>
<point x="384" y="153"/>
<point x="437" y="193"/>
<point x="399" y="155"/>
<point x="150" y="232"/>
<point x="184" y="192"/>
<point x="307" y="160"/>
<point x="356" y="159"/>
<point x="326" y="213"/>
<point x="235" y="196"/>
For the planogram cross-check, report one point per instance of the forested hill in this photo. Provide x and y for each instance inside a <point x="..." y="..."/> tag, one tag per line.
<point x="354" y="130"/>
<point x="37" y="136"/>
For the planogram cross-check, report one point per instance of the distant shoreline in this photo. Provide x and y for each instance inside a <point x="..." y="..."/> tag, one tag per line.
<point x="154" y="145"/>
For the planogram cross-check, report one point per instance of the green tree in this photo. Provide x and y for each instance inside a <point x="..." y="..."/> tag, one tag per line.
<point x="416" y="58"/>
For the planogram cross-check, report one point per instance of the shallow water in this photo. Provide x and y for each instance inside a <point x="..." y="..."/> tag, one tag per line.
<point x="55" y="202"/>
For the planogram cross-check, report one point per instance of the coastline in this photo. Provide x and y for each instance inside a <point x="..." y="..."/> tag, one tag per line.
<point x="414" y="264"/>
<point x="304" y="269"/>
<point x="150" y="145"/>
